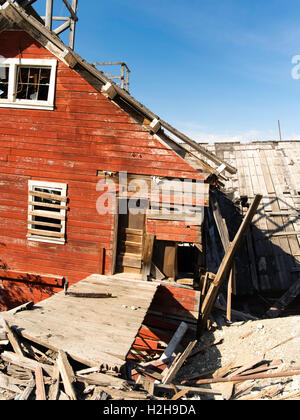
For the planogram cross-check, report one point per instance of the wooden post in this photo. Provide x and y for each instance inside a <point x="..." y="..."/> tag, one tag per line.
<point x="49" y="14"/>
<point x="227" y="263"/>
<point x="231" y="283"/>
<point x="73" y="24"/>
<point x="147" y="256"/>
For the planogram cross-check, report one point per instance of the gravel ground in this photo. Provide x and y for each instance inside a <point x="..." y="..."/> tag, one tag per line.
<point x="247" y="341"/>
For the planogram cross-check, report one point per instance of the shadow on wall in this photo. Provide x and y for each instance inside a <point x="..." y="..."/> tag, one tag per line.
<point x="17" y="289"/>
<point x="265" y="265"/>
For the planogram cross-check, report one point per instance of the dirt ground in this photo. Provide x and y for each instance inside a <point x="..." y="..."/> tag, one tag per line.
<point x="242" y="342"/>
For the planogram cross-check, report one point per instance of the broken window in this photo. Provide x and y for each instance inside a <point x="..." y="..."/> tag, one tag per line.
<point x="33" y="83"/>
<point x="47" y="208"/>
<point x="4" y="72"/>
<point x="27" y="83"/>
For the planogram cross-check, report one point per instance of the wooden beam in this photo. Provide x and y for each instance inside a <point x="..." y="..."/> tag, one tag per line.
<point x="25" y="362"/>
<point x="177" y="337"/>
<point x="40" y="386"/>
<point x="67" y="374"/>
<point x="226" y="264"/>
<point x="178" y="363"/>
<point x="147" y="256"/>
<point x="13" y="339"/>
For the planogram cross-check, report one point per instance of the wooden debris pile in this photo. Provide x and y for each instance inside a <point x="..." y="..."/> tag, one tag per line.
<point x="31" y="372"/>
<point x="259" y="378"/>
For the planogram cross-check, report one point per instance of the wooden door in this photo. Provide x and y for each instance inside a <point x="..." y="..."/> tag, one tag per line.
<point x="131" y="230"/>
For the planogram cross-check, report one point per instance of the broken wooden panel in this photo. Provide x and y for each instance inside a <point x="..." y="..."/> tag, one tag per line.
<point x="71" y="323"/>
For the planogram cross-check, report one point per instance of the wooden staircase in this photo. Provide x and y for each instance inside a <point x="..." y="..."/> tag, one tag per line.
<point x="130" y="251"/>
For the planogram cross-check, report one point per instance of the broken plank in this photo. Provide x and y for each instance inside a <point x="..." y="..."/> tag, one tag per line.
<point x="226" y="264"/>
<point x="6" y="383"/>
<point x="13" y="339"/>
<point x="25" y="362"/>
<point x="181" y="394"/>
<point x="241" y="378"/>
<point x="54" y="387"/>
<point x="39" y="383"/>
<point x="27" y="392"/>
<point x="67" y="374"/>
<point x="177" y="337"/>
<point x="101" y="379"/>
<point x="177" y="365"/>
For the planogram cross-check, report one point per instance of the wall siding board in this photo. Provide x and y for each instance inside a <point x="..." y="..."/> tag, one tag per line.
<point x="85" y="133"/>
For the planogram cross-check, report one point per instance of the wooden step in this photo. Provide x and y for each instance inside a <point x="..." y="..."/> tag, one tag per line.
<point x="130" y="260"/>
<point x="131" y="248"/>
<point x="132" y="238"/>
<point x="138" y="232"/>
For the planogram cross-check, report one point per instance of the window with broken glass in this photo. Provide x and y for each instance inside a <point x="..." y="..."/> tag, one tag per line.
<point x="27" y="83"/>
<point x="4" y="73"/>
<point x="33" y="83"/>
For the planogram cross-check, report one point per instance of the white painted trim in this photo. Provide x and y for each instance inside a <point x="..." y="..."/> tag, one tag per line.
<point x="45" y="239"/>
<point x="12" y="102"/>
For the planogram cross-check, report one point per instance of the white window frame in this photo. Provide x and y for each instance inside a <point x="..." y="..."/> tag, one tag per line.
<point x="12" y="101"/>
<point x="62" y="188"/>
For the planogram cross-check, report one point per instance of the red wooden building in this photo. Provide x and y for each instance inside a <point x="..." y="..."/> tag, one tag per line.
<point x="67" y="134"/>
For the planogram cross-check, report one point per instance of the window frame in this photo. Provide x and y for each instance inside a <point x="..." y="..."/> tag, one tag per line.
<point x="48" y="214"/>
<point x="12" y="101"/>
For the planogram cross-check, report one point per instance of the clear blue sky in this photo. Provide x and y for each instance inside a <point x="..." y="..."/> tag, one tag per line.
<point x="216" y="69"/>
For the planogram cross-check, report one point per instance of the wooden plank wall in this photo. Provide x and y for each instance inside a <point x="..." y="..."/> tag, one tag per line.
<point x="272" y="169"/>
<point x="85" y="133"/>
<point x="178" y="231"/>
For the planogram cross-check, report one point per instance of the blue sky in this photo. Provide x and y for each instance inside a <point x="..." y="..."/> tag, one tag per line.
<point x="219" y="70"/>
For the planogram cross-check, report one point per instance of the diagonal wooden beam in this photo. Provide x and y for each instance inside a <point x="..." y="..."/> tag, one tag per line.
<point x="226" y="264"/>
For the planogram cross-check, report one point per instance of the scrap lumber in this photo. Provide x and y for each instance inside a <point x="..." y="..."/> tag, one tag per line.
<point x="181" y="394"/>
<point x="241" y="378"/>
<point x="101" y="379"/>
<point x="54" y="387"/>
<point x="176" y="339"/>
<point x="282" y="342"/>
<point x="13" y="339"/>
<point x="7" y="383"/>
<point x="169" y="388"/>
<point x="67" y="374"/>
<point x="40" y="386"/>
<point x="247" y="366"/>
<point x="178" y="363"/>
<point x="25" y="362"/>
<point x="23" y="396"/>
<point x="226" y="264"/>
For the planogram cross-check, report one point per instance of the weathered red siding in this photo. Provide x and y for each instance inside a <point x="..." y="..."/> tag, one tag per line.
<point x="86" y="132"/>
<point x="177" y="231"/>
